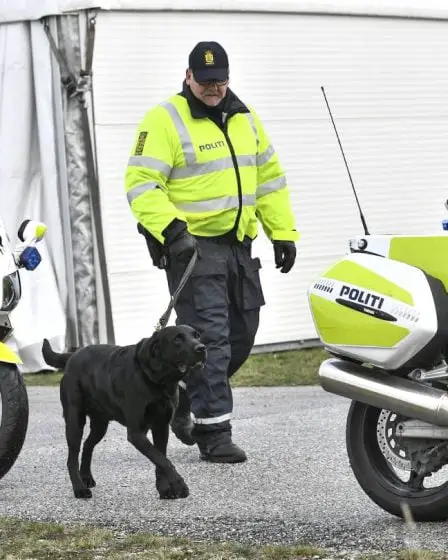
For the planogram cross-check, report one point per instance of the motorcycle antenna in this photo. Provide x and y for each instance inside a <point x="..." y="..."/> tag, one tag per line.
<point x="364" y="224"/>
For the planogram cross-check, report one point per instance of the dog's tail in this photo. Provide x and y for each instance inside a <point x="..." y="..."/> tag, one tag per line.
<point x="53" y="358"/>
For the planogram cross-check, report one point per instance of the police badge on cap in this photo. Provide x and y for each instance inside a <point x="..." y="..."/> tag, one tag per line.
<point x="208" y="61"/>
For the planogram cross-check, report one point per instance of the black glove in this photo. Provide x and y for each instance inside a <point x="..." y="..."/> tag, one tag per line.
<point x="155" y="248"/>
<point x="181" y="244"/>
<point x="285" y="255"/>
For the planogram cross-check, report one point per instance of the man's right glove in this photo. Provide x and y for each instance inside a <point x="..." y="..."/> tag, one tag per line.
<point x="181" y="244"/>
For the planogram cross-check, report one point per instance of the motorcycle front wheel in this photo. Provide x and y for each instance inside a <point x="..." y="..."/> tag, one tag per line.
<point x="14" y="415"/>
<point x="369" y="446"/>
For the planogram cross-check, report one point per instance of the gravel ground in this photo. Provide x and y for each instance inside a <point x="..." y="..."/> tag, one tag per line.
<point x="296" y="487"/>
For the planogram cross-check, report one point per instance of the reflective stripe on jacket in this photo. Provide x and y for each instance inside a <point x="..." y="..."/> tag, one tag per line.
<point x="191" y="169"/>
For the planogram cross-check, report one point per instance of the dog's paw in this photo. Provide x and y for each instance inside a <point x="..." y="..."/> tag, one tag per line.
<point x="83" y="493"/>
<point x="172" y="488"/>
<point x="88" y="480"/>
<point x="163" y="486"/>
<point x="180" y="487"/>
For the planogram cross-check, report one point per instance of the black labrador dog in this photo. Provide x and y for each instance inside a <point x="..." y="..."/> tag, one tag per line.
<point x="136" y="386"/>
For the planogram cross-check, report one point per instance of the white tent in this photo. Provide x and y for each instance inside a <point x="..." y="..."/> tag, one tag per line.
<point x="384" y="68"/>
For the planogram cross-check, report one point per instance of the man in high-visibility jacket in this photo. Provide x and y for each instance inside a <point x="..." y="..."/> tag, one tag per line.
<point x="201" y="173"/>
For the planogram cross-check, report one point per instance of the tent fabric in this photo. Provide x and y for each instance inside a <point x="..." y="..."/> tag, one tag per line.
<point x="21" y="10"/>
<point x="79" y="184"/>
<point x="29" y="185"/>
<point x="46" y="174"/>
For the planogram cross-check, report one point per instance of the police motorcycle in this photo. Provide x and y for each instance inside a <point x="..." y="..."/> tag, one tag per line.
<point x="14" y="409"/>
<point x="381" y="312"/>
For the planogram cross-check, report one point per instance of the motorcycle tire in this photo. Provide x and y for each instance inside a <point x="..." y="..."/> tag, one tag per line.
<point x="377" y="478"/>
<point x="14" y="418"/>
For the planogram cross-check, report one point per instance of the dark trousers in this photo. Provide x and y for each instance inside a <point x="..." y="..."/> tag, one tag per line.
<point x="222" y="301"/>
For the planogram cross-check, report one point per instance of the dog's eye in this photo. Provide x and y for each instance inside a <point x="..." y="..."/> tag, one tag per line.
<point x="196" y="334"/>
<point x="179" y="338"/>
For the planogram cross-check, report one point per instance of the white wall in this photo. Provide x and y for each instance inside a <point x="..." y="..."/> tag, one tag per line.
<point x="386" y="80"/>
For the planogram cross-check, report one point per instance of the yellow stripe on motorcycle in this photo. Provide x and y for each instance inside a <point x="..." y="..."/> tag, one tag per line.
<point x="7" y="355"/>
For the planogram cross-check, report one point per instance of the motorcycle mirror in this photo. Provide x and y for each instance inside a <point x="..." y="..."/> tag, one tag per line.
<point x="31" y="230"/>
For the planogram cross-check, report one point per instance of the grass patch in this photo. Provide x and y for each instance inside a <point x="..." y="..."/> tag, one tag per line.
<point x="287" y="369"/>
<point x="410" y="554"/>
<point x="420" y="555"/>
<point x="22" y="540"/>
<point x="50" y="378"/>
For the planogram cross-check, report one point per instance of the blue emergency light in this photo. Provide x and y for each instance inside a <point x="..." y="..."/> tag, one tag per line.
<point x="30" y="258"/>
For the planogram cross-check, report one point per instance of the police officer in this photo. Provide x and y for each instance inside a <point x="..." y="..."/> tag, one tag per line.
<point x="201" y="173"/>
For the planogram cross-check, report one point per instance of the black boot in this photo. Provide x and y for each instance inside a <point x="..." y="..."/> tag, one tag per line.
<point x="182" y="424"/>
<point x="219" y="448"/>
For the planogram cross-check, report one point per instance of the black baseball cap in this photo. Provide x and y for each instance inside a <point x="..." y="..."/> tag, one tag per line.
<point x="208" y="61"/>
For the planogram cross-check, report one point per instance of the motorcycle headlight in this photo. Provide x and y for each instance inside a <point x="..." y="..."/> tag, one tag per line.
<point x="11" y="291"/>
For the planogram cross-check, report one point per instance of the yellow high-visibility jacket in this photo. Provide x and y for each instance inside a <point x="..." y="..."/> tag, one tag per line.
<point x="184" y="166"/>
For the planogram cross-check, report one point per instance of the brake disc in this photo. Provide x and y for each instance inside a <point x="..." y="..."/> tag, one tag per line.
<point x="390" y="446"/>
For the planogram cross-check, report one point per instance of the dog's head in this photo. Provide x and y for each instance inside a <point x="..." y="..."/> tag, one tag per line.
<point x="171" y="353"/>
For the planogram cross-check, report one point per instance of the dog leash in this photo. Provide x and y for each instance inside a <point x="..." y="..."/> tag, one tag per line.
<point x="186" y="275"/>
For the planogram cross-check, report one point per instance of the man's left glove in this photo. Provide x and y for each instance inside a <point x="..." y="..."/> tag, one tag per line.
<point x="285" y="255"/>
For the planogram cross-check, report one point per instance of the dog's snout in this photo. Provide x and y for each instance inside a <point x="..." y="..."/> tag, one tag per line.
<point x="199" y="349"/>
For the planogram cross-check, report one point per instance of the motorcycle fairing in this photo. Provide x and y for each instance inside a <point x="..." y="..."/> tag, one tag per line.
<point x="7" y="355"/>
<point x="373" y="309"/>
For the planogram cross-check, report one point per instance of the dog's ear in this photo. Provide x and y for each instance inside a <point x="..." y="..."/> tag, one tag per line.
<point x="154" y="346"/>
<point x="147" y="351"/>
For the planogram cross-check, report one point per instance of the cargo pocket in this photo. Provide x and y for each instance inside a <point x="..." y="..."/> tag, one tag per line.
<point x="252" y="292"/>
<point x="209" y="284"/>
